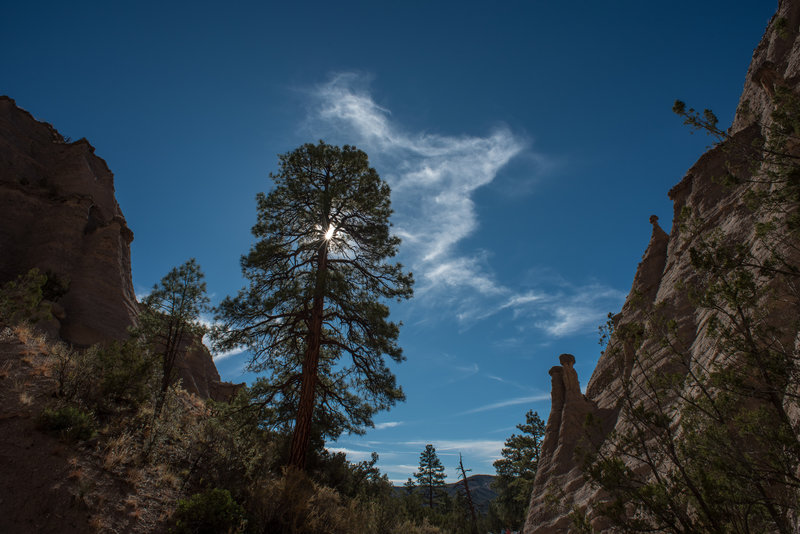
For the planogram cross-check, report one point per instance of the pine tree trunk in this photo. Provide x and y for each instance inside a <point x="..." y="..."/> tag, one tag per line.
<point x="305" y="411"/>
<point x="171" y="347"/>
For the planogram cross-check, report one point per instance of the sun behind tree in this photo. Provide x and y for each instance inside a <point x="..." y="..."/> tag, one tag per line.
<point x="313" y="314"/>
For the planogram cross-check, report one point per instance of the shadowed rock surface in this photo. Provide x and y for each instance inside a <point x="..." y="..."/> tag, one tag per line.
<point x="560" y="485"/>
<point x="58" y="213"/>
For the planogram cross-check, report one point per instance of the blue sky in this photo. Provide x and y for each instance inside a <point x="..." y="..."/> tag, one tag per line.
<point x="526" y="144"/>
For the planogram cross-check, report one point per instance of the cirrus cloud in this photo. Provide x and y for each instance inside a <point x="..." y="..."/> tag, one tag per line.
<point x="434" y="180"/>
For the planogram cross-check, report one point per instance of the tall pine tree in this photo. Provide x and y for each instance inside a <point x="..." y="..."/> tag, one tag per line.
<point x="313" y="314"/>
<point x="430" y="477"/>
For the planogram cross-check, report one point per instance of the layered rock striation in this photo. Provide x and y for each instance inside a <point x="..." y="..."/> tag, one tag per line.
<point x="666" y="268"/>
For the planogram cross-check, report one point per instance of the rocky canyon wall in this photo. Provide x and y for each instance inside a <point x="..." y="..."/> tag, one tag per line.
<point x="58" y="213"/>
<point x="665" y="269"/>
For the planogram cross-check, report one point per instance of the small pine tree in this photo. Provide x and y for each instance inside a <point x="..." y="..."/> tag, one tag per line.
<point x="170" y="315"/>
<point x="430" y="477"/>
<point x="410" y="486"/>
<point x="517" y="469"/>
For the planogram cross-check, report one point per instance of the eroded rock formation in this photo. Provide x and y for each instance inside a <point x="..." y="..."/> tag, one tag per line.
<point x="564" y="435"/>
<point x="666" y="267"/>
<point x="58" y="213"/>
<point x="199" y="375"/>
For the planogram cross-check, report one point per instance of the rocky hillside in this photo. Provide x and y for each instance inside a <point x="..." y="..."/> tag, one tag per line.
<point x="660" y="282"/>
<point x="480" y="489"/>
<point x="55" y="485"/>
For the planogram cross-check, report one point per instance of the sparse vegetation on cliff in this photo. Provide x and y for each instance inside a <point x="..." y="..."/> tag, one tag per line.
<point x="709" y="438"/>
<point x="195" y="452"/>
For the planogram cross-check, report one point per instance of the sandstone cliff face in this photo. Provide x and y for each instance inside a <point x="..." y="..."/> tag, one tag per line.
<point x="58" y="213"/>
<point x="560" y="485"/>
<point x="199" y="375"/>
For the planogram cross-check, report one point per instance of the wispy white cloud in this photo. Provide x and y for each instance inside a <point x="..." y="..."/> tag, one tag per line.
<point x="522" y="299"/>
<point x="509" y="382"/>
<point x="508" y="402"/>
<point x="461" y="272"/>
<point x="581" y="308"/>
<point x="461" y="372"/>
<point x="352" y="454"/>
<point x="218" y="356"/>
<point x="489" y="449"/>
<point x="387" y="424"/>
<point x="433" y="178"/>
<point x="558" y="311"/>
<point x="569" y="319"/>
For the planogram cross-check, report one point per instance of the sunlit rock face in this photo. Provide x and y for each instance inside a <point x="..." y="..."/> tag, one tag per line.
<point x="564" y="434"/>
<point x="560" y="485"/>
<point x="58" y="213"/>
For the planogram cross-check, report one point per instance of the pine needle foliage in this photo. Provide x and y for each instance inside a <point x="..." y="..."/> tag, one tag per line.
<point x="517" y="469"/>
<point x="169" y="318"/>
<point x="430" y="476"/>
<point x="313" y="314"/>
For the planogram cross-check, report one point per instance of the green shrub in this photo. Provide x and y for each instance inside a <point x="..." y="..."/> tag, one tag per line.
<point x="213" y="512"/>
<point x="69" y="422"/>
<point x="21" y="299"/>
<point x="126" y="372"/>
<point x="105" y="376"/>
<point x="295" y="504"/>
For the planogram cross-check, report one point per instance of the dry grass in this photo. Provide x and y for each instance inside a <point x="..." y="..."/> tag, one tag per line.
<point x="120" y="450"/>
<point x="132" y="505"/>
<point x="100" y="523"/>
<point x="134" y="476"/>
<point x="5" y="369"/>
<point x="7" y="334"/>
<point x="33" y="339"/>
<point x="166" y="477"/>
<point x="20" y="385"/>
<point x="24" y="332"/>
<point x="43" y="369"/>
<point x="25" y="398"/>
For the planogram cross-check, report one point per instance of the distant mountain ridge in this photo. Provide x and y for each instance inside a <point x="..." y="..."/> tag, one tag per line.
<point x="480" y="489"/>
